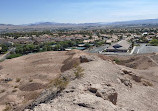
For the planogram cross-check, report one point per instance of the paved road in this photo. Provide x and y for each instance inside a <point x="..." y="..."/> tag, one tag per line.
<point x="101" y="48"/>
<point x="143" y="49"/>
<point x="3" y="57"/>
<point x="98" y="49"/>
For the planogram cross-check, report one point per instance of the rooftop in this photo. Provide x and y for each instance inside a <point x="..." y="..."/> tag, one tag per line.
<point x="123" y="44"/>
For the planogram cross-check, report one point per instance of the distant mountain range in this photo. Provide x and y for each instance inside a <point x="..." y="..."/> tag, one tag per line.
<point x="136" y="22"/>
<point x="6" y="24"/>
<point x="44" y="23"/>
<point x="133" y="22"/>
<point x="61" y="24"/>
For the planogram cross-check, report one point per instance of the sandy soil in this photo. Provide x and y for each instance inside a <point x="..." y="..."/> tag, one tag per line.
<point x="134" y="80"/>
<point x="23" y="78"/>
<point x="141" y="62"/>
<point x="137" y="89"/>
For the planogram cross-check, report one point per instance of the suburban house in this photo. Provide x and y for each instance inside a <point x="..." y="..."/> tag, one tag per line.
<point x="121" y="46"/>
<point x="109" y="41"/>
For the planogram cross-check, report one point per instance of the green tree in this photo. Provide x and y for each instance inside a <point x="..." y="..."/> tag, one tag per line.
<point x="4" y="48"/>
<point x="154" y="42"/>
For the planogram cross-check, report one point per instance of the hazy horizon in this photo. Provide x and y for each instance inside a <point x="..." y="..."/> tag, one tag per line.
<point x="82" y="11"/>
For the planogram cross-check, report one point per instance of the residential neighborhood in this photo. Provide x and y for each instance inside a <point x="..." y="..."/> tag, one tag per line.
<point x="104" y="41"/>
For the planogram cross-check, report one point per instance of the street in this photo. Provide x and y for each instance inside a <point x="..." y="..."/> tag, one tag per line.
<point x="98" y="49"/>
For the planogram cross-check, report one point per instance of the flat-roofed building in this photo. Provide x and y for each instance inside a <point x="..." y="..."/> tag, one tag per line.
<point x="121" y="46"/>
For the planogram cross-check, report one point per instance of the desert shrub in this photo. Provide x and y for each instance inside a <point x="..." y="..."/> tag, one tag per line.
<point x="1" y="60"/>
<point x="18" y="79"/>
<point x="147" y="83"/>
<point x="7" y="108"/>
<point x="30" y="80"/>
<point x="116" y="60"/>
<point x="60" y="83"/>
<point x="70" y="63"/>
<point x="14" y="56"/>
<point x="78" y="71"/>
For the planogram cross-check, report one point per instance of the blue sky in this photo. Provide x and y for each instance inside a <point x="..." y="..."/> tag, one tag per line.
<point x="76" y="11"/>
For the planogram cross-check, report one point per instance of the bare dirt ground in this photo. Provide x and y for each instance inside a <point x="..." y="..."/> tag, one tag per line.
<point x="129" y="85"/>
<point x="141" y="62"/>
<point x="106" y="86"/>
<point x="23" y="78"/>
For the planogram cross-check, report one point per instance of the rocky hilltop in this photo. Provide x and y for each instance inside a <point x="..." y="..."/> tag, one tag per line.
<point x="87" y="82"/>
<point x="106" y="86"/>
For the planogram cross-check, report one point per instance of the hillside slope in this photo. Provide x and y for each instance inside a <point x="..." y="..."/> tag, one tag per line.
<point x="22" y="79"/>
<point x="106" y="86"/>
<point x="78" y="81"/>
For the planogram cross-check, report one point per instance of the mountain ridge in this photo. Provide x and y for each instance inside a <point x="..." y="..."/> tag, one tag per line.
<point x="143" y="21"/>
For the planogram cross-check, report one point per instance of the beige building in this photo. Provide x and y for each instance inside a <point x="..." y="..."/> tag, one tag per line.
<point x="121" y="46"/>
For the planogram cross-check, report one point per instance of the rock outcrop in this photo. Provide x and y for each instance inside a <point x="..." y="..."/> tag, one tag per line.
<point x="105" y="92"/>
<point x="85" y="58"/>
<point x="103" y="86"/>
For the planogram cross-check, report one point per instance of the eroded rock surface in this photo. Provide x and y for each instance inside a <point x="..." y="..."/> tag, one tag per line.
<point x="105" y="87"/>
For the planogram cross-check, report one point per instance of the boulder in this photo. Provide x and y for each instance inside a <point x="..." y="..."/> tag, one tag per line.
<point x="86" y="58"/>
<point x="104" y="91"/>
<point x="126" y="82"/>
<point x="108" y="94"/>
<point x="93" y="103"/>
<point x="126" y="71"/>
<point x="136" y="78"/>
<point x="94" y="87"/>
